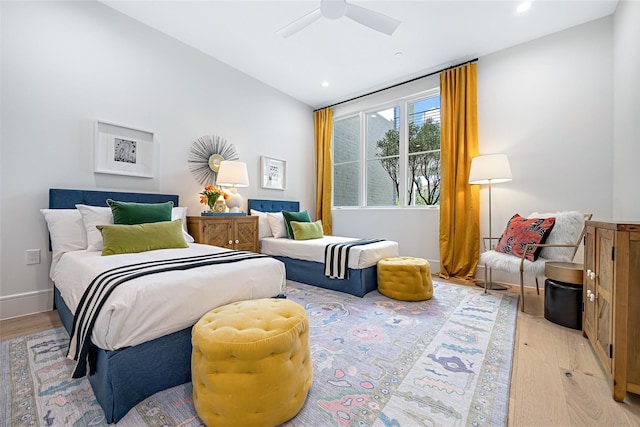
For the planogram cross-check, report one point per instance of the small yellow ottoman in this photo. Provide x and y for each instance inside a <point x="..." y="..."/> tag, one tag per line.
<point x="405" y="278"/>
<point x="251" y="364"/>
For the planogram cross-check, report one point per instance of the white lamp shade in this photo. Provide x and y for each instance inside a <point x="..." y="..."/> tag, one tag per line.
<point x="490" y="169"/>
<point x="233" y="174"/>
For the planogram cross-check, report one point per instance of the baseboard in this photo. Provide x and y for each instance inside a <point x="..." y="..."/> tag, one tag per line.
<point x="27" y="303"/>
<point x="434" y="265"/>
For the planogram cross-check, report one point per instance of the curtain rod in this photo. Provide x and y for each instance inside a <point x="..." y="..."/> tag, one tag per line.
<point x="397" y="84"/>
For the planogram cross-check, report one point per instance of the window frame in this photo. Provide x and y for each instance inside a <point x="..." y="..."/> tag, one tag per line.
<point x="403" y="150"/>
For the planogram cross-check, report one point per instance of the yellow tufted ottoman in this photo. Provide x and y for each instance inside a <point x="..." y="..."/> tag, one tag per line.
<point x="405" y="278"/>
<point x="251" y="364"/>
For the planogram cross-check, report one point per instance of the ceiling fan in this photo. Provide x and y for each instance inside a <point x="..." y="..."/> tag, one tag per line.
<point x="334" y="9"/>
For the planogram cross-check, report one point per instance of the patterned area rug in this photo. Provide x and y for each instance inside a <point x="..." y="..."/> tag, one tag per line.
<point x="377" y="362"/>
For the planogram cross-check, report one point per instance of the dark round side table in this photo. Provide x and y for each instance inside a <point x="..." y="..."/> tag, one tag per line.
<point x="563" y="294"/>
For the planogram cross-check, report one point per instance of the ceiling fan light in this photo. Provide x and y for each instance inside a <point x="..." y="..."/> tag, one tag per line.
<point x="523" y="7"/>
<point x="333" y="9"/>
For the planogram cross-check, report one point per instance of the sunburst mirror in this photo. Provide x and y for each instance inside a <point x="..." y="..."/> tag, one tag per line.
<point x="205" y="156"/>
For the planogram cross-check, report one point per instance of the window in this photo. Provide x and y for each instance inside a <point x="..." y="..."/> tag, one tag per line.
<point x="388" y="156"/>
<point x="423" y="164"/>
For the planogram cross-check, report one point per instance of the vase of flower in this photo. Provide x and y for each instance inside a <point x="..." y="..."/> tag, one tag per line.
<point x="209" y="196"/>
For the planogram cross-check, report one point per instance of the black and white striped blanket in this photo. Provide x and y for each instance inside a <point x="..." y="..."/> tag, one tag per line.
<point x="96" y="294"/>
<point x="336" y="257"/>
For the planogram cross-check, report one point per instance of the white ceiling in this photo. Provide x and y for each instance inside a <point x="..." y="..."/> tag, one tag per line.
<point x="353" y="58"/>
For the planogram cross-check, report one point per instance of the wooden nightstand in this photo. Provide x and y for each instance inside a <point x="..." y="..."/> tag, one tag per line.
<point x="231" y="232"/>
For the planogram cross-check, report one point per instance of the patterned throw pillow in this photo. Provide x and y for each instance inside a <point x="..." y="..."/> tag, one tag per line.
<point x="521" y="231"/>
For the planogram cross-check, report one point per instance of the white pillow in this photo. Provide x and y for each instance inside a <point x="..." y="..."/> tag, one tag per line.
<point x="92" y="216"/>
<point x="567" y="229"/>
<point x="264" y="229"/>
<point x="276" y="222"/>
<point x="66" y="231"/>
<point x="99" y="215"/>
<point x="180" y="212"/>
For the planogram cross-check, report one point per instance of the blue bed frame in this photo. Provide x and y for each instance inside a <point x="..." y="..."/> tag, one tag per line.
<point x="126" y="377"/>
<point x="360" y="281"/>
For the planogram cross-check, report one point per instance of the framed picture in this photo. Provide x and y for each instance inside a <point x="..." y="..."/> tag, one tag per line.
<point x="274" y="173"/>
<point x="121" y="150"/>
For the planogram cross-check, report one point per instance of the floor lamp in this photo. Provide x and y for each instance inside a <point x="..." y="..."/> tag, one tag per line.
<point x="490" y="169"/>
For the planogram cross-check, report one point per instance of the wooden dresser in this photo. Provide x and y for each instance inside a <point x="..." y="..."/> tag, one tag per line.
<point x="611" y="295"/>
<point x="231" y="232"/>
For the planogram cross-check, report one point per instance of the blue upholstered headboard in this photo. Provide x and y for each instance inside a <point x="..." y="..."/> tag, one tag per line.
<point x="273" y="205"/>
<point x="67" y="199"/>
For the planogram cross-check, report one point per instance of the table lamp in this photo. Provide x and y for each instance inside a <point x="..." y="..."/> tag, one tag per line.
<point x="233" y="174"/>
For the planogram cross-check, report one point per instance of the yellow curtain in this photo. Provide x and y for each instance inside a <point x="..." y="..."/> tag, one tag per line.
<point x="459" y="201"/>
<point x="323" y="120"/>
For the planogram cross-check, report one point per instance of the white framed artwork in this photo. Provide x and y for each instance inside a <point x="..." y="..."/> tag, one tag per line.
<point x="274" y="173"/>
<point x="122" y="150"/>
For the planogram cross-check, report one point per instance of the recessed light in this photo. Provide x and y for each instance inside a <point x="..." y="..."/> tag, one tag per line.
<point x="325" y="84"/>
<point x="523" y="6"/>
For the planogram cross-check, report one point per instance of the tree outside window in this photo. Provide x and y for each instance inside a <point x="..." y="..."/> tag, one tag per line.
<point x="423" y="160"/>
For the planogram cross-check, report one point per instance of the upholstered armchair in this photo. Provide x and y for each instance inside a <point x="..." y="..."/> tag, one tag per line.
<point x="561" y="244"/>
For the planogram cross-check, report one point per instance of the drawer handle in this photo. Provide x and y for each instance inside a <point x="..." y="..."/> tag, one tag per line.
<point x="231" y="242"/>
<point x="588" y="293"/>
<point x="592" y="275"/>
<point x="237" y="241"/>
<point x="589" y="272"/>
<point x="592" y="297"/>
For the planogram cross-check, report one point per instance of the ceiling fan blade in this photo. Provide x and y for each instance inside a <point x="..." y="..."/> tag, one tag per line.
<point x="299" y="23"/>
<point x="374" y="20"/>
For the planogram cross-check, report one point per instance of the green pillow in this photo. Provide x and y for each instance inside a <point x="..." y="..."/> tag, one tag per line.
<point x="294" y="216"/>
<point x="130" y="213"/>
<point x="129" y="239"/>
<point x="307" y="230"/>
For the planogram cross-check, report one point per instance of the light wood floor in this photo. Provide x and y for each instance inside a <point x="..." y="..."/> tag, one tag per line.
<point x="556" y="379"/>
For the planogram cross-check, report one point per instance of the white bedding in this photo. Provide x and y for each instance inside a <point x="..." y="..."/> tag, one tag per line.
<point x="313" y="250"/>
<point x="152" y="306"/>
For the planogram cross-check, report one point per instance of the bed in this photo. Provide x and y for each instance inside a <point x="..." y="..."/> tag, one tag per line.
<point x="304" y="259"/>
<point x="133" y="366"/>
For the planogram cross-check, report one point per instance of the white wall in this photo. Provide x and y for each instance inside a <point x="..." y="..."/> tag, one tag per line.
<point x="626" y="107"/>
<point x="65" y="65"/>
<point x="548" y="105"/>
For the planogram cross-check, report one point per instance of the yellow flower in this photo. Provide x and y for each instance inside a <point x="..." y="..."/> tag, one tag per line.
<point x="209" y="195"/>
